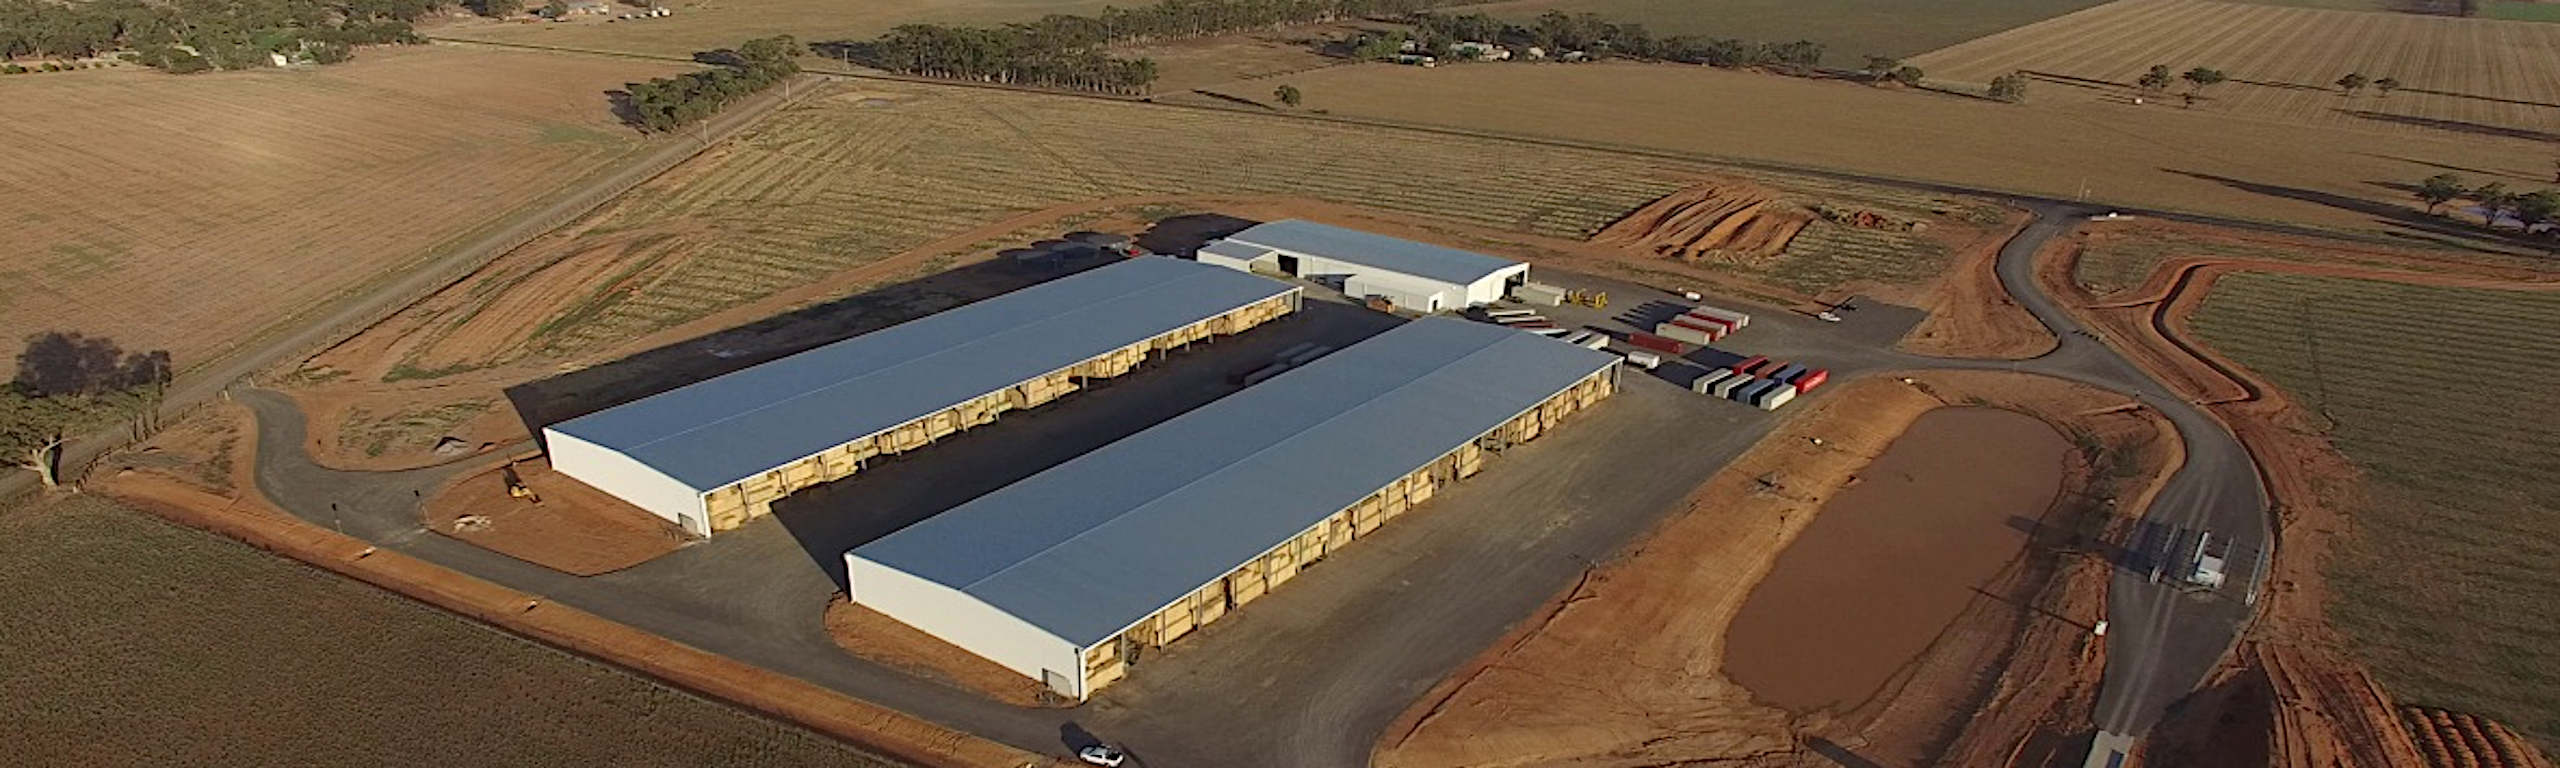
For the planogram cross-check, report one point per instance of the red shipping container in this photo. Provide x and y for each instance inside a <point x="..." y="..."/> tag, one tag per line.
<point x="1811" y="379"/>
<point x="1750" y="363"/>
<point x="1728" y="325"/>
<point x="1712" y="331"/>
<point x="1652" y="342"/>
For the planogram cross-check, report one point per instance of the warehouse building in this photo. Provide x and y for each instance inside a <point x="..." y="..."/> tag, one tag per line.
<point x="1417" y="276"/>
<point x="712" y="455"/>
<point x="1065" y="575"/>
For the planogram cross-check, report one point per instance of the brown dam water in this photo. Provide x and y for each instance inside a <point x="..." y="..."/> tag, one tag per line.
<point x="1892" y="559"/>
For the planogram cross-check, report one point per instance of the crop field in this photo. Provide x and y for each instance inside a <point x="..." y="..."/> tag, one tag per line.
<point x="701" y="25"/>
<point x="2446" y="585"/>
<point x="136" y="642"/>
<point x="1849" y="29"/>
<point x="2056" y="145"/>
<point x="187" y="213"/>
<point x="852" y="177"/>
<point x="2461" y="76"/>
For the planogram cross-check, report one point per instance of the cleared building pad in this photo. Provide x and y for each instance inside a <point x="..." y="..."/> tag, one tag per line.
<point x="1062" y="575"/>
<point x="714" y="454"/>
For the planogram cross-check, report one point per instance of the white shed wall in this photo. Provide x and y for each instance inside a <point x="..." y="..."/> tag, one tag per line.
<point x="964" y="621"/>
<point x="1408" y="293"/>
<point x="1492" y="288"/>
<point x="627" y="479"/>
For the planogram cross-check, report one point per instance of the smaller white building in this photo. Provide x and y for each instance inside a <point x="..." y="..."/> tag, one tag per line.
<point x="1416" y="276"/>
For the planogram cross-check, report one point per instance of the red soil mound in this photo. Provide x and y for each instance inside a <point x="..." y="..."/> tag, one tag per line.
<point x="1710" y="222"/>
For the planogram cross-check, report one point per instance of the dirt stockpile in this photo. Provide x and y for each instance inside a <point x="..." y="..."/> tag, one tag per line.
<point x="1627" y="667"/>
<point x="1717" y="221"/>
<point x="2454" y="739"/>
<point x="2288" y="706"/>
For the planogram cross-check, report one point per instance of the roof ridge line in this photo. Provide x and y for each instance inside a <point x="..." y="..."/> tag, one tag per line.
<point x="1230" y="466"/>
<point x="857" y="379"/>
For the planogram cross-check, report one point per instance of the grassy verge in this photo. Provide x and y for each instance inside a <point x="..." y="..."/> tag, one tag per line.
<point x="2442" y="397"/>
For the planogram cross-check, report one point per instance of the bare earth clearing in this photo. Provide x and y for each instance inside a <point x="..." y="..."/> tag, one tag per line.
<point x="2474" y="77"/>
<point x="850" y="207"/>
<point x="2339" y="174"/>
<point x="189" y="213"/>
<point x="1644" y="647"/>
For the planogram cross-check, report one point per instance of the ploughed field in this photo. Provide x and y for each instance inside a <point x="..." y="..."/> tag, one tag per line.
<point x="188" y="213"/>
<point x="2471" y="76"/>
<point x="158" y="645"/>
<point x="2443" y="398"/>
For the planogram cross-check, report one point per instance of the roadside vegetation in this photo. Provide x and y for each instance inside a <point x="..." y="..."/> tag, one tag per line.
<point x="68" y="384"/>
<point x="667" y="103"/>
<point x="1066" y="51"/>
<point x="2434" y="393"/>
<point x="153" y="644"/>
<point x="2498" y="207"/>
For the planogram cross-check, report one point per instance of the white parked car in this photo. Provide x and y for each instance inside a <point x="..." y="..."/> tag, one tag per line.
<point x="1102" y="755"/>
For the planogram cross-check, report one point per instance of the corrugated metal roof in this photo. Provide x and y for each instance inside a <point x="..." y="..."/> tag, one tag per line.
<point x="718" y="431"/>
<point x="1092" y="545"/>
<point x="1235" y="250"/>
<point x="1373" y="250"/>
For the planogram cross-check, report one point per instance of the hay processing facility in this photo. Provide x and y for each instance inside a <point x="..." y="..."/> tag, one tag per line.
<point x="1420" y="277"/>
<point x="714" y="454"/>
<point x="1064" y="575"/>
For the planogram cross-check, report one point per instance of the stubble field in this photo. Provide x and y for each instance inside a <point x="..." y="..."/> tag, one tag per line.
<point x="143" y="643"/>
<point x="2452" y="549"/>
<point x="2463" y="76"/>
<point x="2208" y="160"/>
<point x="852" y="177"/>
<point x="188" y="213"/>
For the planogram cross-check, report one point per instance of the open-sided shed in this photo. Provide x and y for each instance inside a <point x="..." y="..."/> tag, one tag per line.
<point x="711" y="455"/>
<point x="1061" y="575"/>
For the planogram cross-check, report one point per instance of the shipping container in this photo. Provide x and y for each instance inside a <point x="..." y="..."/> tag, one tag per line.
<point x="1726" y="387"/>
<point x="1739" y="320"/>
<point x="1525" y="317"/>
<point x="1647" y="360"/>
<point x="1577" y="337"/>
<point x="1538" y="295"/>
<point x="1750" y="363"/>
<point x="1552" y="333"/>
<point x="1597" y="341"/>
<point x="1776" y="396"/>
<point x="1788" y="373"/>
<point x="1700" y="385"/>
<point x="1811" y="379"/>
<point x="1683" y="333"/>
<point x="1712" y="376"/>
<point x="1531" y="325"/>
<point x="1751" y="392"/>
<point x="1652" y="342"/>
<point x="1722" y="326"/>
<point x="1499" y="314"/>
<point x="1710" y="330"/>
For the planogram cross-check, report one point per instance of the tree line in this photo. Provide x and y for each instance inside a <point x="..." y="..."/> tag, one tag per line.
<point x="199" y="35"/>
<point x="1556" y="32"/>
<point x="668" y="103"/>
<point x="2496" y="202"/>
<point x="1066" y="51"/>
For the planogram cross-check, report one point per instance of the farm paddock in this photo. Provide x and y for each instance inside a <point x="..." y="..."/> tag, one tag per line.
<point x="339" y="672"/>
<point x="2331" y="174"/>
<point x="190" y="213"/>
<point x="1850" y="30"/>
<point x="2427" y="415"/>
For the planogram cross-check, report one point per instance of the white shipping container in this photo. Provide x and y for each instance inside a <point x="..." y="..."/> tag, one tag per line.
<point x="1498" y="314"/>
<point x="1777" y="396"/>
<point x="1552" y="333"/>
<point x="1683" y="333"/>
<point x="1532" y="317"/>
<point x="1597" y="341"/>
<point x="1714" y="375"/>
<point x="1648" y="360"/>
<point x="1726" y="387"/>
<point x="1579" y="337"/>
<point x="1533" y="293"/>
